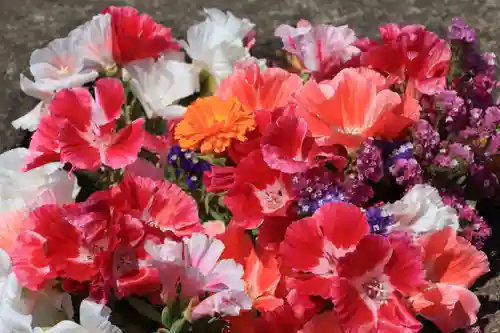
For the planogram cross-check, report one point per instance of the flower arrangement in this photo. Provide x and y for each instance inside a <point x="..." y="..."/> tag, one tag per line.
<point x="187" y="186"/>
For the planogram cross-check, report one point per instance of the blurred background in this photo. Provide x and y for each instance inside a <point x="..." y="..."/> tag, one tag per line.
<point x="30" y="24"/>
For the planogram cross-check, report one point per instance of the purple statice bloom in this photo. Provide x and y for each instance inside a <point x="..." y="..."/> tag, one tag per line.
<point x="369" y="162"/>
<point x="379" y="220"/>
<point x="402" y="152"/>
<point x="460" y="31"/>
<point x="188" y="164"/>
<point x="314" y="188"/>
<point x="425" y="140"/>
<point x="357" y="191"/>
<point x="407" y="172"/>
<point x="458" y="150"/>
<point x="474" y="228"/>
<point x="494" y="145"/>
<point x="492" y="118"/>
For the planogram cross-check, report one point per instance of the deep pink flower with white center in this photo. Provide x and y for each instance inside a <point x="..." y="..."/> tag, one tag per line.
<point x="195" y="264"/>
<point x="160" y="205"/>
<point x="371" y="280"/>
<point x="87" y="137"/>
<point x="258" y="191"/>
<point x="315" y="244"/>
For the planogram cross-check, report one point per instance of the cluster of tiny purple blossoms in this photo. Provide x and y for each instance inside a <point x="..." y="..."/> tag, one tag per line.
<point x="455" y="146"/>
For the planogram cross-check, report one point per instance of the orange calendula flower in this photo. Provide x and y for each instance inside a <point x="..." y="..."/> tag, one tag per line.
<point x="211" y="123"/>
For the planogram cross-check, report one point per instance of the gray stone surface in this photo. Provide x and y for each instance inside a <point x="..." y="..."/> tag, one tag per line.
<point x="29" y="24"/>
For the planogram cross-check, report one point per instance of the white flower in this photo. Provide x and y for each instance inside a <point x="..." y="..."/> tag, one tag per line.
<point x="216" y="43"/>
<point x="20" y="309"/>
<point x="160" y="84"/>
<point x="225" y="303"/>
<point x="96" y="44"/>
<point x="422" y="210"/>
<point x="94" y="318"/>
<point x="20" y="189"/>
<point x="59" y="65"/>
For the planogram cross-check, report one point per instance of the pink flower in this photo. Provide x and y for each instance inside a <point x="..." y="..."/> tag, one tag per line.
<point x="258" y="191"/>
<point x="411" y="53"/>
<point x="452" y="265"/>
<point x="82" y="131"/>
<point x="322" y="49"/>
<point x="371" y="279"/>
<point x="157" y="204"/>
<point x="137" y="36"/>
<point x="195" y="264"/>
<point x="286" y="145"/>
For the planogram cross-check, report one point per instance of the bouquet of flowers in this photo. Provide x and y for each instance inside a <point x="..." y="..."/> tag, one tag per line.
<point x="343" y="185"/>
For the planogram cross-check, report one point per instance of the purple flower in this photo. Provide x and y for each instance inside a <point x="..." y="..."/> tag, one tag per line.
<point x="357" y="191"/>
<point x="369" y="162"/>
<point x="379" y="220"/>
<point x="425" y="140"/>
<point x="407" y="172"/>
<point x="314" y="188"/>
<point x="458" y="30"/>
<point x="474" y="228"/>
<point x="458" y="150"/>
<point x="187" y="164"/>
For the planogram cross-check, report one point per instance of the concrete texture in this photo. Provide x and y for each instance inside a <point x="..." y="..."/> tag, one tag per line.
<point x="30" y="24"/>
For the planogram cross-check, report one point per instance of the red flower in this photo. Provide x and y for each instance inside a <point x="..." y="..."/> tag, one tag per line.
<point x="258" y="191"/>
<point x="160" y="205"/>
<point x="51" y="247"/>
<point x="44" y="144"/>
<point x="82" y="131"/>
<point x="137" y="36"/>
<point x="88" y="137"/>
<point x="219" y="178"/>
<point x="411" y="53"/>
<point x="116" y="241"/>
<point x="371" y="279"/>
<point x="315" y="244"/>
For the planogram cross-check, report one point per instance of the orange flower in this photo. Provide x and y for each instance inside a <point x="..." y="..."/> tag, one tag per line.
<point x="211" y="123"/>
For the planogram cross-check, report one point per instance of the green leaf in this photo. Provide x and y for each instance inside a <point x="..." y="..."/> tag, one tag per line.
<point x="166" y="317"/>
<point x="145" y="309"/>
<point x="178" y="325"/>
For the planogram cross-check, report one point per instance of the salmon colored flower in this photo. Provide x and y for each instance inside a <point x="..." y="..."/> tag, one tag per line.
<point x="360" y="106"/>
<point x="452" y="265"/>
<point x="268" y="89"/>
<point x="211" y="123"/>
<point x="261" y="267"/>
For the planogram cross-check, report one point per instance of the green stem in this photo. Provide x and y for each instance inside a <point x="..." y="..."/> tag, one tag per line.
<point x="145" y="309"/>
